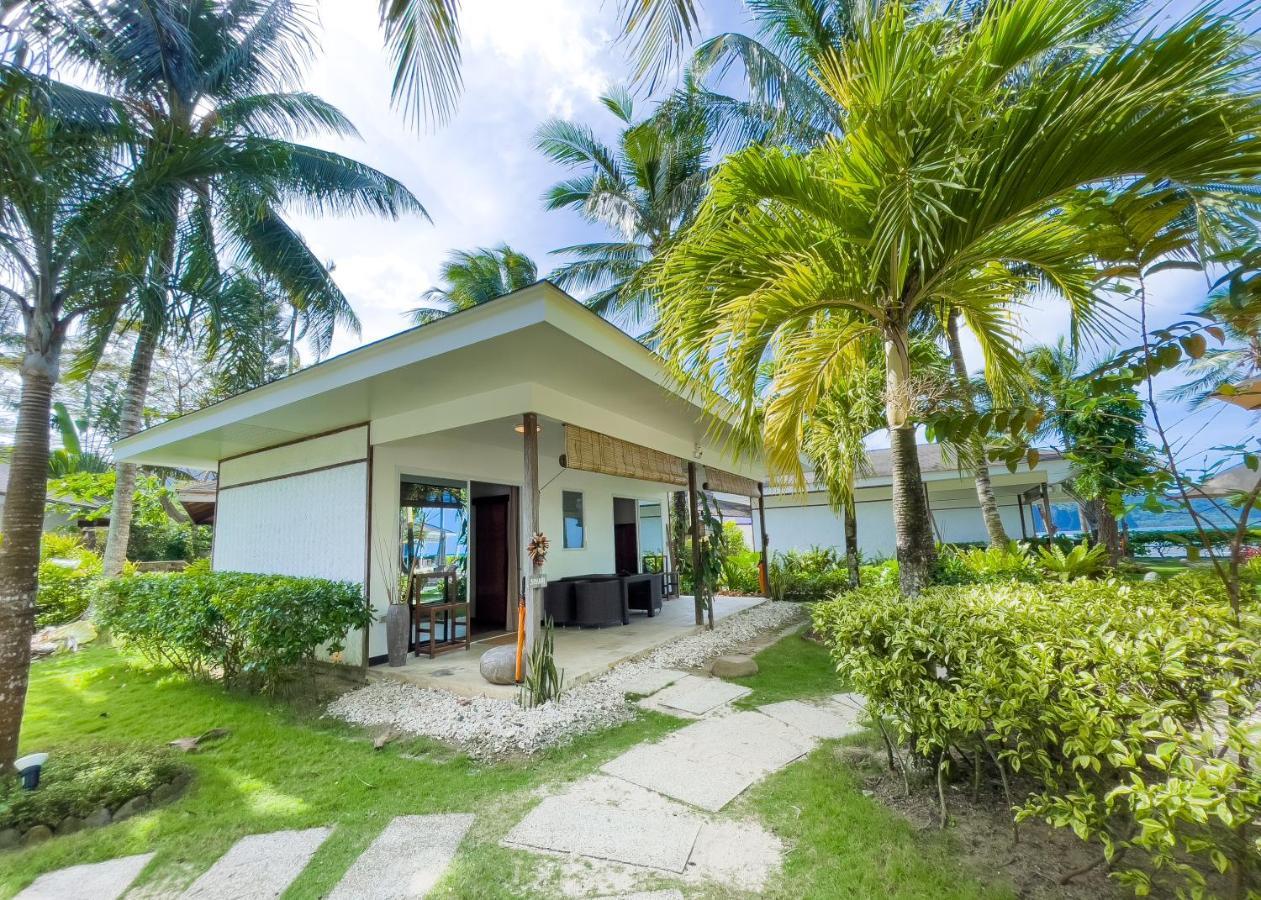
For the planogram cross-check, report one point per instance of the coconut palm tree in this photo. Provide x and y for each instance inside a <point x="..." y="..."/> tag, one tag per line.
<point x="645" y="191"/>
<point x="62" y="180"/>
<point x="474" y="277"/>
<point x="208" y="83"/>
<point x="946" y="189"/>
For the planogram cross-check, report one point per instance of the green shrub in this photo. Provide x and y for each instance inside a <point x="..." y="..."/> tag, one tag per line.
<point x="69" y="576"/>
<point x="808" y="575"/>
<point x="980" y="565"/>
<point x="248" y="628"/>
<point x="884" y="573"/>
<point x="1121" y="708"/>
<point x="77" y="781"/>
<point x="739" y="572"/>
<point x="1082" y="561"/>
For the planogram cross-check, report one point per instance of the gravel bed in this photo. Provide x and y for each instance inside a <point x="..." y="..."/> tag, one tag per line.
<point x="487" y="728"/>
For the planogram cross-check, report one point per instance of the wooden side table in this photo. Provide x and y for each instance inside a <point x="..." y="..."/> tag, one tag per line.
<point x="425" y="618"/>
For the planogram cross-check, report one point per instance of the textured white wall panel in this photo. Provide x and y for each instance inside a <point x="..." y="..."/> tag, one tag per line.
<point x="339" y="447"/>
<point x="309" y="525"/>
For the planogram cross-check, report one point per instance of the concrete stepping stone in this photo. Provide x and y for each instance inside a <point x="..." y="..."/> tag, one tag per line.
<point x="671" y="894"/>
<point x="743" y="855"/>
<point x="697" y="696"/>
<point x="406" y="860"/>
<point x="712" y="762"/>
<point x="259" y="867"/>
<point x="824" y="722"/>
<point x="92" y="881"/>
<point x="570" y="823"/>
<point x="649" y="681"/>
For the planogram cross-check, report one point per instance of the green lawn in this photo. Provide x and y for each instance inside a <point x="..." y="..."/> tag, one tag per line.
<point x="791" y="668"/>
<point x="284" y="769"/>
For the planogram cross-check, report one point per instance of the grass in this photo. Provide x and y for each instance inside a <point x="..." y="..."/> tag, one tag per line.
<point x="791" y="668"/>
<point x="282" y="768"/>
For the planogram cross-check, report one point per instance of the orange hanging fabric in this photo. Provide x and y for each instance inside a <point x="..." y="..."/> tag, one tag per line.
<point x="521" y="639"/>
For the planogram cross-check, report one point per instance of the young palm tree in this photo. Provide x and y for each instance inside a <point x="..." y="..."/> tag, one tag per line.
<point x="645" y="191"/>
<point x="61" y="155"/>
<point x="208" y="81"/>
<point x="946" y="189"/>
<point x="474" y="277"/>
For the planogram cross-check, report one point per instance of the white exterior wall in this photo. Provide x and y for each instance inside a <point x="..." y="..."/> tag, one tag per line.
<point x="799" y="523"/>
<point x="297" y="510"/>
<point x="447" y="456"/>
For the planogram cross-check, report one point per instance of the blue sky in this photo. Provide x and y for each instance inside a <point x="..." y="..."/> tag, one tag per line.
<point x="481" y="179"/>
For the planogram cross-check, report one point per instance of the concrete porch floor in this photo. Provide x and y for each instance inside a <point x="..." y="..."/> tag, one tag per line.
<point x="584" y="653"/>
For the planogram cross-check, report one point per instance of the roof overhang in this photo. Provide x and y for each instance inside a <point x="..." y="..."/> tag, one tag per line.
<point x="536" y="350"/>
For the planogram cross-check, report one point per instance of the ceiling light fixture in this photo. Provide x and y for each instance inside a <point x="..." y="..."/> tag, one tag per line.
<point x="519" y="428"/>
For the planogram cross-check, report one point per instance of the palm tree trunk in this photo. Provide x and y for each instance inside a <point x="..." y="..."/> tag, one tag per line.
<point x="851" y="543"/>
<point x="22" y="526"/>
<point x="984" y="489"/>
<point x="130" y="421"/>
<point x="916" y="552"/>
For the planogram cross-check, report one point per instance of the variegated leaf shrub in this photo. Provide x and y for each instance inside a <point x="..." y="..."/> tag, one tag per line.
<point x="1124" y="711"/>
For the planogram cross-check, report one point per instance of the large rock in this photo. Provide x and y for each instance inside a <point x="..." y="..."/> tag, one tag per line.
<point x="69" y="825"/>
<point x="733" y="667"/>
<point x="10" y="837"/>
<point x="98" y="818"/>
<point x="133" y="807"/>
<point x="499" y="664"/>
<point x="36" y="834"/>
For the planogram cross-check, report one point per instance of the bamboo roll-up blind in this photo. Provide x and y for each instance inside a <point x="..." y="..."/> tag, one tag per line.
<point x="726" y="483"/>
<point x="591" y="451"/>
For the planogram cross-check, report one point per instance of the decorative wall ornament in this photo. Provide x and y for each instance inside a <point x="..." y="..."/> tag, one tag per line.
<point x="537" y="548"/>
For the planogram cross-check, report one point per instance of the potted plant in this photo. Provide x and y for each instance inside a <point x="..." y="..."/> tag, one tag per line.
<point x="398" y="612"/>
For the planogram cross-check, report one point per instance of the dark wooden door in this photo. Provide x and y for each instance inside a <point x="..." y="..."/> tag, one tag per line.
<point x="626" y="549"/>
<point x="490" y="562"/>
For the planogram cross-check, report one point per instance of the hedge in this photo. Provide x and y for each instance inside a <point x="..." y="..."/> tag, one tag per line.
<point x="248" y="629"/>
<point x="1119" y="710"/>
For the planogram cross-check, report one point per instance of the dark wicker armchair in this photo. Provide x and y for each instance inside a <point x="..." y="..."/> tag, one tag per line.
<point x="643" y="592"/>
<point x="558" y="602"/>
<point x="599" y="603"/>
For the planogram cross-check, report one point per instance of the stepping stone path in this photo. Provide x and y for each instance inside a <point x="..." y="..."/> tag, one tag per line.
<point x="652" y="807"/>
<point x="696" y="695"/>
<point x="259" y="867"/>
<point x="403" y="863"/>
<point x="92" y="881"/>
<point x="406" y="860"/>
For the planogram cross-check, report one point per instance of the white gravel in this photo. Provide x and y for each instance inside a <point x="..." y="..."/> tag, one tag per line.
<point x="486" y="728"/>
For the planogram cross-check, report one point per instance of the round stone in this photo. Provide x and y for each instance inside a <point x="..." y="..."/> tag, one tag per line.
<point x="1151" y="576"/>
<point x="733" y="666"/>
<point x="98" y="818"/>
<point x="164" y="793"/>
<point x="132" y="807"/>
<point x="69" y="825"/>
<point x="499" y="664"/>
<point x="36" y="834"/>
<point x="9" y="837"/>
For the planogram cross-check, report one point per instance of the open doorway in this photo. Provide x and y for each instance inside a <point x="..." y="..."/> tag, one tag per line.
<point x="625" y="536"/>
<point x="494" y="540"/>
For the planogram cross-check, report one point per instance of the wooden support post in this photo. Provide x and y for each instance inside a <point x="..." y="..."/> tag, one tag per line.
<point x="694" y="509"/>
<point x="530" y="514"/>
<point x="1020" y="505"/>
<point x="1046" y="514"/>
<point x="766" y="561"/>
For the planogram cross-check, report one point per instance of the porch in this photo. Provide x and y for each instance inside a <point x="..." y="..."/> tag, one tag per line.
<point x="583" y="653"/>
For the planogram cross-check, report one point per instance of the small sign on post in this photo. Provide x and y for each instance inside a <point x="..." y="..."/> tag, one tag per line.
<point x="538" y="581"/>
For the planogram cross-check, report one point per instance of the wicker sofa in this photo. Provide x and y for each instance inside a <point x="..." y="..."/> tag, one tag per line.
<point x="595" y="601"/>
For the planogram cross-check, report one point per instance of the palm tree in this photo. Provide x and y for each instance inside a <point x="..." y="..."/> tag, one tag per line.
<point x="61" y="169"/>
<point x="946" y="190"/>
<point x="645" y="191"/>
<point x="474" y="277"/>
<point x="207" y="83"/>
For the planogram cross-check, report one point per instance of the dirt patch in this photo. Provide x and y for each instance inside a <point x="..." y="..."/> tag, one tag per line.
<point x="981" y="830"/>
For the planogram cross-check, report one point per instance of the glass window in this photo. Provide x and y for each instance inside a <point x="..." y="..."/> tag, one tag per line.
<point x="575" y="530"/>
<point x="434" y="540"/>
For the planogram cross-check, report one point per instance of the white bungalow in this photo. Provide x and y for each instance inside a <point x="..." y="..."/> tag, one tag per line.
<point x="453" y="443"/>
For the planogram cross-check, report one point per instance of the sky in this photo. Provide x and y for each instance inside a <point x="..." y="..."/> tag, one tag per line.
<point x="481" y="180"/>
